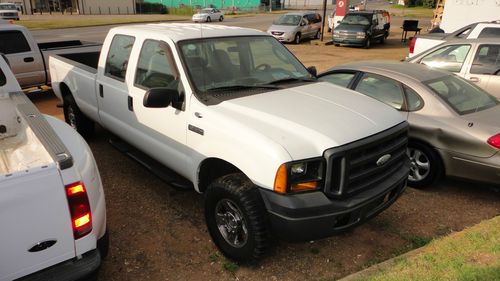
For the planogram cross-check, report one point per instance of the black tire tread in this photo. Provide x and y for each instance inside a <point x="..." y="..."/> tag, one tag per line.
<point x="85" y="126"/>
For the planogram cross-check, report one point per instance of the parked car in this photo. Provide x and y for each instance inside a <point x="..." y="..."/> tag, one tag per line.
<point x="454" y="125"/>
<point x="477" y="60"/>
<point x="29" y="59"/>
<point x="293" y="27"/>
<point x="422" y="43"/>
<point x="52" y="207"/>
<point x="361" y="28"/>
<point x="8" y="11"/>
<point x="233" y="112"/>
<point x="208" y="15"/>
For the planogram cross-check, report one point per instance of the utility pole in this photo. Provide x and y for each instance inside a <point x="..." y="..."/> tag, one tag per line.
<point x="323" y="20"/>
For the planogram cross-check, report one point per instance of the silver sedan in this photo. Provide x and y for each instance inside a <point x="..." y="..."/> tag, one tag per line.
<point x="454" y="125"/>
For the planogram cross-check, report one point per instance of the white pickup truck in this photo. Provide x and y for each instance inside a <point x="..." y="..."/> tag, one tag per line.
<point x="52" y="209"/>
<point x="29" y="59"/>
<point x="236" y="114"/>
<point x="476" y="30"/>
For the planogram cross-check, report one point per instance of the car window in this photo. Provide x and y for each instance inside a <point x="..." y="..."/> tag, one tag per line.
<point x="12" y="42"/>
<point x="339" y="78"/>
<point x="155" y="67"/>
<point x="288" y="20"/>
<point x="449" y="58"/>
<point x="3" y="80"/>
<point x="489" y="32"/>
<point x="381" y="88"/>
<point x="118" y="55"/>
<point x="413" y="100"/>
<point x="461" y="95"/>
<point x="487" y="60"/>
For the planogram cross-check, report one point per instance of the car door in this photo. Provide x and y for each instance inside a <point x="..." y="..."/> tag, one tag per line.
<point x="25" y="59"/>
<point x="163" y="130"/>
<point x="305" y="28"/>
<point x="485" y="68"/>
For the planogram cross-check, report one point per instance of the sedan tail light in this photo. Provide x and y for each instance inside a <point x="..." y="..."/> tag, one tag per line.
<point x="495" y="141"/>
<point x="79" y="207"/>
<point x="412" y="44"/>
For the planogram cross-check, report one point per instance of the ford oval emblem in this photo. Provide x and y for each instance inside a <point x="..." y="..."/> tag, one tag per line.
<point x="382" y="160"/>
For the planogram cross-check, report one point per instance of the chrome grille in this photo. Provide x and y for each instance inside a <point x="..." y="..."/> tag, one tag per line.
<point x="363" y="164"/>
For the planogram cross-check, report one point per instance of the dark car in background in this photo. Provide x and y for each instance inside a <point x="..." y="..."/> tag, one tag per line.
<point x="361" y="28"/>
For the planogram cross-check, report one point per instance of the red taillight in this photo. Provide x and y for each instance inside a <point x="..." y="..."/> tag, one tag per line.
<point x="495" y="141"/>
<point x="79" y="207"/>
<point x="412" y="44"/>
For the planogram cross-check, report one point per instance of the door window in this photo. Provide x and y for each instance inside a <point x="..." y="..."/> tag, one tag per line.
<point x="449" y="58"/>
<point x="118" y="56"/>
<point x="340" y="78"/>
<point x="489" y="32"/>
<point x="487" y="60"/>
<point x="381" y="88"/>
<point x="13" y="42"/>
<point x="155" y="67"/>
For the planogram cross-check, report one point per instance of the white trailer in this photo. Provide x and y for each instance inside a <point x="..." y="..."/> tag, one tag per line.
<point x="459" y="13"/>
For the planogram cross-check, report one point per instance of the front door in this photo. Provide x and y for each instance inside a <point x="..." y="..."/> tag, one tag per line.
<point x="485" y="68"/>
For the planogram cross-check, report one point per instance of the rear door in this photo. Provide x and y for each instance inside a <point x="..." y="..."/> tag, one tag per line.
<point x="35" y="221"/>
<point x="485" y="68"/>
<point x="24" y="57"/>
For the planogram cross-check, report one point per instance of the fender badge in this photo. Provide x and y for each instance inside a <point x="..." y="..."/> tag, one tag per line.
<point x="382" y="160"/>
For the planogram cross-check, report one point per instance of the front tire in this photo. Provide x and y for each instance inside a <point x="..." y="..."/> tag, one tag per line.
<point x="296" y="40"/>
<point x="236" y="218"/>
<point x="368" y="43"/>
<point x="425" y="165"/>
<point x="76" y="119"/>
<point x="221" y="18"/>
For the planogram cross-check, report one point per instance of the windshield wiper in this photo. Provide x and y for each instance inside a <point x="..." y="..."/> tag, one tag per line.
<point x="243" y="87"/>
<point x="292" y="79"/>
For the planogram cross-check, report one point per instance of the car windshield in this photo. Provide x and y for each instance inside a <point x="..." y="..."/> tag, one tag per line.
<point x="288" y="20"/>
<point x="356" y="19"/>
<point x="206" y="11"/>
<point x="7" y="7"/>
<point x="461" y="95"/>
<point x="240" y="63"/>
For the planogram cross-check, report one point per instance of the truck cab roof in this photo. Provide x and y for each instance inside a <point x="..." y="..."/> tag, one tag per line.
<point x="184" y="31"/>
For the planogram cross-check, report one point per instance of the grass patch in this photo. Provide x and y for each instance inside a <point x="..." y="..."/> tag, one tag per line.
<point x="214" y="257"/>
<point x="412" y="12"/>
<point x="230" y="267"/>
<point x="473" y="254"/>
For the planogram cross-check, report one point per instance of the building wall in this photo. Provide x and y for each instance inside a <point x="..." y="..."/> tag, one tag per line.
<point x="96" y="7"/>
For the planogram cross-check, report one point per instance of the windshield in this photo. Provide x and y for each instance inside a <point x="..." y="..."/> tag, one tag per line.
<point x="462" y="96"/>
<point x="357" y="19"/>
<point x="8" y="7"/>
<point x="251" y="61"/>
<point x="288" y="20"/>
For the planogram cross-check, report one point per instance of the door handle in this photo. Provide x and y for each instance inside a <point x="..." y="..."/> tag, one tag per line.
<point x="29" y="59"/>
<point x="474" y="79"/>
<point x="101" y="91"/>
<point x="130" y="103"/>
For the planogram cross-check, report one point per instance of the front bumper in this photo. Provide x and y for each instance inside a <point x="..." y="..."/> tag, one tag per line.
<point x="313" y="215"/>
<point x="285" y="37"/>
<point x="9" y="17"/>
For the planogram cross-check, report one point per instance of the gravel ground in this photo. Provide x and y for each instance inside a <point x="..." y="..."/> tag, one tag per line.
<point x="159" y="233"/>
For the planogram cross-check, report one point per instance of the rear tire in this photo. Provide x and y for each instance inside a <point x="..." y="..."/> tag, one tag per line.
<point x="425" y="165"/>
<point x="318" y="35"/>
<point x="236" y="218"/>
<point x="76" y="119"/>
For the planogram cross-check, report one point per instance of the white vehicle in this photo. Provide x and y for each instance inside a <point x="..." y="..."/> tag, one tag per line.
<point x="476" y="30"/>
<point x="236" y="114"/>
<point x="208" y="15"/>
<point x="8" y="11"/>
<point x="29" y="59"/>
<point x="52" y="209"/>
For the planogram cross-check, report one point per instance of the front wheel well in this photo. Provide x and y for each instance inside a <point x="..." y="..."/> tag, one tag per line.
<point x="212" y="169"/>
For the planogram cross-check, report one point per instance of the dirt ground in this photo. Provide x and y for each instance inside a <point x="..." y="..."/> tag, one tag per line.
<point x="159" y="233"/>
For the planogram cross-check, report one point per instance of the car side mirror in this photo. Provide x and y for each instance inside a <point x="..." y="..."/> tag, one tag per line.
<point x="313" y="71"/>
<point x="302" y="23"/>
<point x="159" y="97"/>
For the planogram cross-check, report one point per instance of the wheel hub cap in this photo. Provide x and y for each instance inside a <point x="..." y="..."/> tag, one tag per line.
<point x="419" y="164"/>
<point x="231" y="223"/>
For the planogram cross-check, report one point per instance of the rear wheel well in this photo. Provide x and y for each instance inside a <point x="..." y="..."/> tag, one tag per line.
<point x="212" y="169"/>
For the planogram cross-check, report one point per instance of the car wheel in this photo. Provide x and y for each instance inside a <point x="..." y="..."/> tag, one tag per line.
<point x="209" y="19"/>
<point x="368" y="43"/>
<point x="296" y="40"/>
<point x="236" y="218"/>
<point x="382" y="40"/>
<point x="221" y="18"/>
<point x="75" y="118"/>
<point x="425" y="165"/>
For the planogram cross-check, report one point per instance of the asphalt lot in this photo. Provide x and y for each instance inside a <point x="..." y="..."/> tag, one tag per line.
<point x="159" y="233"/>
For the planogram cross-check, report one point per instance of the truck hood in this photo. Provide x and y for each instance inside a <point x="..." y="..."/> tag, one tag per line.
<point x="306" y="120"/>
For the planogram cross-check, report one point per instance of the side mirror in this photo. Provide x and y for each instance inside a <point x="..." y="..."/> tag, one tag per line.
<point x="302" y="23"/>
<point x="159" y="97"/>
<point x="312" y="70"/>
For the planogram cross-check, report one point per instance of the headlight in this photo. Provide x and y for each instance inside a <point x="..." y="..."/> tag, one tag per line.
<point x="360" y="35"/>
<point x="299" y="176"/>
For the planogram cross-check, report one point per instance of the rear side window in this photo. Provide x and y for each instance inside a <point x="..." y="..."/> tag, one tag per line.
<point x="155" y="67"/>
<point x="487" y="60"/>
<point x="118" y="56"/>
<point x="413" y="100"/>
<point x="13" y="42"/>
<point x="3" y="80"/>
<point x="489" y="32"/>
<point x="381" y="88"/>
<point x="314" y="18"/>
